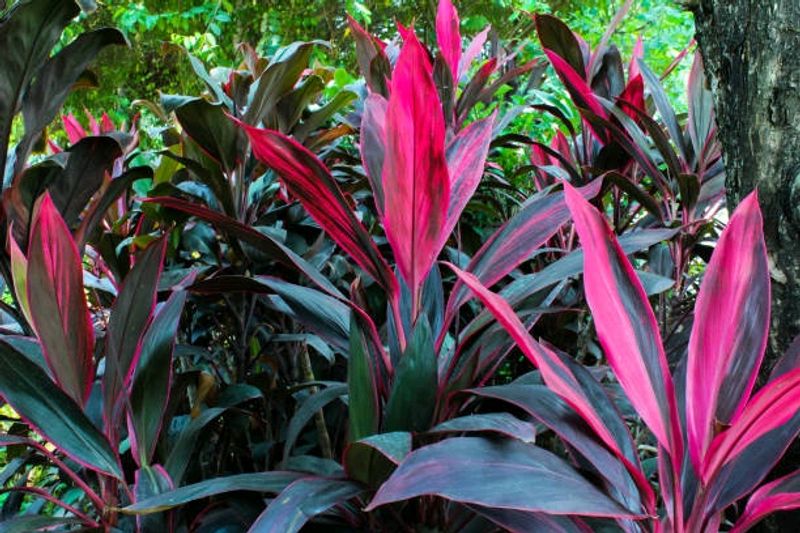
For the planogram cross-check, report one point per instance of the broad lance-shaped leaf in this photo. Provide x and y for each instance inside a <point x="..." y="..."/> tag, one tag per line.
<point x="57" y="303"/>
<point x="302" y="501"/>
<point x="448" y="35"/>
<point x="517" y="240"/>
<point x="774" y="405"/>
<point x="556" y="374"/>
<point x="783" y="494"/>
<point x="55" y="81"/>
<point x="52" y="413"/>
<point x="729" y="334"/>
<point x="151" y="384"/>
<point x="507" y="474"/>
<point x="311" y="182"/>
<point x="466" y="157"/>
<point x="372" y="144"/>
<point x="416" y="182"/>
<point x="130" y="315"/>
<point x="19" y="274"/>
<point x="626" y="325"/>
<point x="28" y="32"/>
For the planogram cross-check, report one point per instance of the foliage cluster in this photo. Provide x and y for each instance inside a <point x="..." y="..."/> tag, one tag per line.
<point x="342" y="306"/>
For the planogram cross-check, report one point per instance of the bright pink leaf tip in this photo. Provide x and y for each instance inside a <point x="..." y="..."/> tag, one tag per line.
<point x="726" y="348"/>
<point x="416" y="183"/>
<point x="448" y="36"/>
<point x="625" y="323"/>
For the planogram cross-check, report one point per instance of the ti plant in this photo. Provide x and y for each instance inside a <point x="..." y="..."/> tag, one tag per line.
<point x="715" y="438"/>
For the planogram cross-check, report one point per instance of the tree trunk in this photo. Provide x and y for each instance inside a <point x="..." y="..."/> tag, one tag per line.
<point x="751" y="50"/>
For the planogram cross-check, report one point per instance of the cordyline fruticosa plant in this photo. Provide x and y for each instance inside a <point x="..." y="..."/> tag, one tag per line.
<point x="716" y="439"/>
<point x="423" y="172"/>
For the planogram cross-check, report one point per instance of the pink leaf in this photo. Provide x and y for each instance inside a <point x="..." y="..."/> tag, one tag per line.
<point x="774" y="405"/>
<point x="373" y="145"/>
<point x="75" y="131"/>
<point x="57" y="302"/>
<point x="448" y="36"/>
<point x="636" y="55"/>
<point x="466" y="157"/>
<point x="310" y="181"/>
<point x="416" y="183"/>
<point x="473" y="49"/>
<point x="626" y="325"/>
<point x="783" y="494"/>
<point x="729" y="334"/>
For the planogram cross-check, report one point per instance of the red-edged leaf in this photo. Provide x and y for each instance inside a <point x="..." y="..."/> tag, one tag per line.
<point x="448" y="35"/>
<point x="557" y="37"/>
<point x="579" y="91"/>
<point x="130" y="315"/>
<point x="625" y="323"/>
<point x="774" y="405"/>
<point x="368" y="48"/>
<point x="782" y="494"/>
<point x="730" y="329"/>
<point x="701" y="108"/>
<point x="633" y="95"/>
<point x="518" y="239"/>
<point x="312" y="184"/>
<point x="373" y="145"/>
<point x="466" y="156"/>
<point x="473" y="49"/>
<point x="507" y="474"/>
<point x="556" y="374"/>
<point x="416" y="183"/>
<point x="636" y="55"/>
<point x="58" y="304"/>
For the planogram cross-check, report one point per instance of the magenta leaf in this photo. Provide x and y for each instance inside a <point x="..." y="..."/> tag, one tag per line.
<point x="310" y="181"/>
<point x="783" y="494"/>
<point x="416" y="182"/>
<point x="626" y="325"/>
<point x="448" y="36"/>
<point x="57" y="303"/>
<point x="729" y="334"/>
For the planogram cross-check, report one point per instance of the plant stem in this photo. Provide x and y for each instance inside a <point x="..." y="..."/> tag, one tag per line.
<point x="319" y="416"/>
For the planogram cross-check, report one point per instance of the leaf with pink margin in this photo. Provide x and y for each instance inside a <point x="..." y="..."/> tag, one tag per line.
<point x="774" y="405"/>
<point x="783" y="494"/>
<point x="131" y="313"/>
<point x="473" y="50"/>
<point x="730" y="329"/>
<point x="448" y="36"/>
<point x="73" y="128"/>
<point x="466" y="158"/>
<point x="372" y="145"/>
<point x="312" y="184"/>
<point x="416" y="182"/>
<point x="57" y="302"/>
<point x="626" y="324"/>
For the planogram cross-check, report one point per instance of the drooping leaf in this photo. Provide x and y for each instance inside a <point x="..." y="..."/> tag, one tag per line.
<point x="55" y="80"/>
<point x="303" y="500"/>
<point x="130" y="315"/>
<point x="626" y="325"/>
<point x="506" y="474"/>
<point x="416" y="182"/>
<point x="53" y="414"/>
<point x="557" y="37"/>
<point x="309" y="180"/>
<point x="502" y="423"/>
<point x="371" y="460"/>
<point x="28" y="32"/>
<point x="273" y="482"/>
<point x="57" y="303"/>
<point x="89" y="161"/>
<point x="150" y="390"/>
<point x="726" y="348"/>
<point x="311" y="406"/>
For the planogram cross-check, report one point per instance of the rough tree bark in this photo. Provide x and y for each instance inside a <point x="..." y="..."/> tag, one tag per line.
<point x="751" y="50"/>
